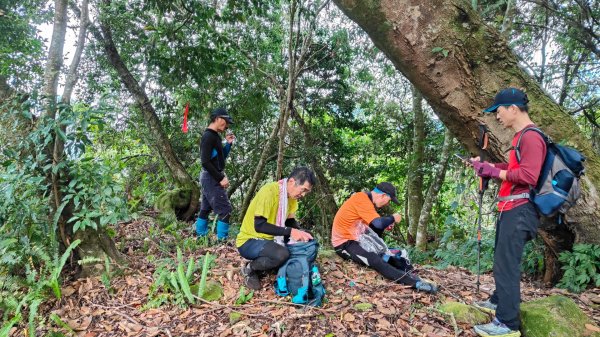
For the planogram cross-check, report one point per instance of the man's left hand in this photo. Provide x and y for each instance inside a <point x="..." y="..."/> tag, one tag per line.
<point x="230" y="137"/>
<point x="486" y="170"/>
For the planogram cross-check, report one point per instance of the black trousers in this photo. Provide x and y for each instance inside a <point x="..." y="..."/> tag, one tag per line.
<point x="265" y="254"/>
<point x="214" y="198"/>
<point x="514" y="229"/>
<point x="391" y="270"/>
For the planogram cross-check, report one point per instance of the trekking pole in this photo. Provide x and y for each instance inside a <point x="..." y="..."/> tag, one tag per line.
<point x="483" y="184"/>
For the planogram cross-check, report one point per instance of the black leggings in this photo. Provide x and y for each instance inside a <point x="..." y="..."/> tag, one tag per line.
<point x="392" y="270"/>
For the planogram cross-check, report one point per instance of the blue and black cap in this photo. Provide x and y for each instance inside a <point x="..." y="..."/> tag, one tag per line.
<point x="508" y="97"/>
<point x="222" y="113"/>
<point x="387" y="188"/>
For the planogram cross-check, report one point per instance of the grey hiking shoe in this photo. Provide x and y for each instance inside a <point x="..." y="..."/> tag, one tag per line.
<point x="251" y="279"/>
<point x="486" y="306"/>
<point x="426" y="287"/>
<point x="495" y="328"/>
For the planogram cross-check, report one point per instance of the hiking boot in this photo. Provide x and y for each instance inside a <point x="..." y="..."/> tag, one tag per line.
<point x="426" y="287"/>
<point x="486" y="306"/>
<point x="251" y="279"/>
<point x="495" y="328"/>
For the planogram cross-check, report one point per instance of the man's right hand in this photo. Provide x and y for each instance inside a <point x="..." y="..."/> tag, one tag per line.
<point x="299" y="235"/>
<point x="224" y="182"/>
<point x="397" y="217"/>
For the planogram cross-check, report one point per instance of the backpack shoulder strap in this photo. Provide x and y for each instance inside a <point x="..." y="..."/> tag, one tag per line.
<point x="518" y="146"/>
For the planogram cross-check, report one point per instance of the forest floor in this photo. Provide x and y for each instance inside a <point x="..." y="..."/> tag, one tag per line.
<point x="91" y="309"/>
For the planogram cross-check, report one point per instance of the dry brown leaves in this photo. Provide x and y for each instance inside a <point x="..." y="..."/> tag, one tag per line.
<point x="91" y="311"/>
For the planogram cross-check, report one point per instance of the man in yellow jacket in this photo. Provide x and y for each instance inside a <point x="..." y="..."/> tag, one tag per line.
<point x="270" y="222"/>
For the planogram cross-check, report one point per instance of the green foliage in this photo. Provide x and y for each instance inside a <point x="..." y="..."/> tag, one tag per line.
<point x="440" y="50"/>
<point x="174" y="281"/>
<point x="32" y="258"/>
<point x="463" y="253"/>
<point x="8" y="325"/>
<point x="243" y="297"/>
<point x="97" y="200"/>
<point x="581" y="266"/>
<point x="54" y="317"/>
<point x="532" y="262"/>
<point x="107" y="274"/>
<point x="202" y="285"/>
<point x="20" y="45"/>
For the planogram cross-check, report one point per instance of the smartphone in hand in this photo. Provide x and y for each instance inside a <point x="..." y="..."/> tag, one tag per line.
<point x="463" y="159"/>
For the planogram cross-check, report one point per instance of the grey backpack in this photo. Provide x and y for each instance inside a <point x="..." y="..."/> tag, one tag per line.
<point x="557" y="188"/>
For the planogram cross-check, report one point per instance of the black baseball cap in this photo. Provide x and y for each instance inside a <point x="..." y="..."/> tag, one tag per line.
<point x="508" y="97"/>
<point x="222" y="113"/>
<point x="388" y="189"/>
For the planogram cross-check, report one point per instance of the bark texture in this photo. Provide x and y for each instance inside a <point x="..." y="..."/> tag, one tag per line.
<point x="55" y="56"/>
<point x="160" y="141"/>
<point x="415" y="177"/>
<point x="432" y="193"/>
<point x="459" y="64"/>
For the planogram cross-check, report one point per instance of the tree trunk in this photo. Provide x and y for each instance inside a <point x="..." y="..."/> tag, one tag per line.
<point x="260" y="167"/>
<point x="542" y="75"/>
<point x="94" y="243"/>
<point x="72" y="76"/>
<point x="5" y="89"/>
<point x="285" y="95"/>
<point x="329" y="207"/>
<point x="51" y="75"/>
<point x="286" y="102"/>
<point x="415" y="180"/>
<point x="55" y="57"/>
<point x="507" y="21"/>
<point x="159" y="139"/>
<point x="459" y="64"/>
<point x="432" y="193"/>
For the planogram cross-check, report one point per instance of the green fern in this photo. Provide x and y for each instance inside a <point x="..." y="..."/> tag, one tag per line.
<point x="5" y="330"/>
<point x="57" y="268"/>
<point x="33" y="311"/>
<point x="60" y="323"/>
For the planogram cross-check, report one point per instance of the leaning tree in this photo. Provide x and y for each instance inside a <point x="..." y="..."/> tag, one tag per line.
<point x="458" y="63"/>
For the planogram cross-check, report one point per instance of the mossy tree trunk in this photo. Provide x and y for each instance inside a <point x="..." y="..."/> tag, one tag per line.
<point x="158" y="139"/>
<point x="458" y="63"/>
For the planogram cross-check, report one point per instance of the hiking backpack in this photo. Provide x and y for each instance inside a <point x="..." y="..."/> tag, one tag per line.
<point x="557" y="188"/>
<point x="299" y="276"/>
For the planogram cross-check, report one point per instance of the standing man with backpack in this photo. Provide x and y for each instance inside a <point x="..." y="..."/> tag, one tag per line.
<point x="518" y="218"/>
<point x="357" y="217"/>
<point x="213" y="180"/>
<point x="270" y="222"/>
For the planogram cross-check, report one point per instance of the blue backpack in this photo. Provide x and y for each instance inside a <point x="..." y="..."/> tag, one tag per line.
<point x="557" y="188"/>
<point x="299" y="275"/>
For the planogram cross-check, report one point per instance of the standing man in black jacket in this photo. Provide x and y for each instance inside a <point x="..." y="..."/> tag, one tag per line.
<point x="213" y="180"/>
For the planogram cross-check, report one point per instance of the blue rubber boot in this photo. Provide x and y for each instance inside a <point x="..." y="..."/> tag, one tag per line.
<point x="222" y="230"/>
<point x="201" y="227"/>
